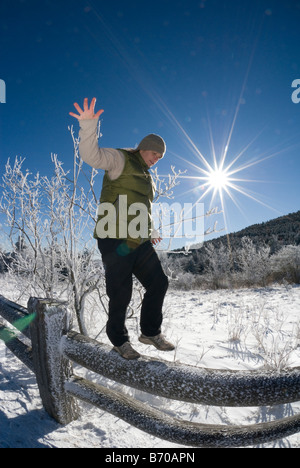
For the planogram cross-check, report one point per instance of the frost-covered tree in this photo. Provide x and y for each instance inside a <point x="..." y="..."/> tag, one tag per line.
<point x="49" y="221"/>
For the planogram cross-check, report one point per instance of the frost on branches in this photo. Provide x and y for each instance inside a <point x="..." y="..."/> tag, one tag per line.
<point x="49" y="221"/>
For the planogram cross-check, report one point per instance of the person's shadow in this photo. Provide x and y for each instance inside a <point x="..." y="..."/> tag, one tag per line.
<point x="24" y="430"/>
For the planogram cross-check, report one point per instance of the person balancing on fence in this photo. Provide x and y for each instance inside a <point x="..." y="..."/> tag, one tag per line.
<point x="125" y="238"/>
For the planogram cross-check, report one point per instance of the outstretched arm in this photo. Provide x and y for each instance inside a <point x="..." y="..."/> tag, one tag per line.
<point x="87" y="112"/>
<point x="108" y="159"/>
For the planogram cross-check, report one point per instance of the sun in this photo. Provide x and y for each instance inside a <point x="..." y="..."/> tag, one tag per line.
<point x="218" y="179"/>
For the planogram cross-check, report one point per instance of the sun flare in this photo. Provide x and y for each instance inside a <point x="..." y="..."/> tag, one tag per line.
<point x="218" y="179"/>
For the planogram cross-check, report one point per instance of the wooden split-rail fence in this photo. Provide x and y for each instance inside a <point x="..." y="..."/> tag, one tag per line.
<point x="55" y="347"/>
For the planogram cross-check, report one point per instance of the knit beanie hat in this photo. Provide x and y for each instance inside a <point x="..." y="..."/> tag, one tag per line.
<point x="153" y="142"/>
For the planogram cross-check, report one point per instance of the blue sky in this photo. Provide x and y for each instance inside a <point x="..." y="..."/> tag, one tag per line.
<point x="187" y="70"/>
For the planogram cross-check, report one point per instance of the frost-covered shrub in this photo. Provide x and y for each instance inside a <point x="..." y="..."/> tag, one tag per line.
<point x="285" y="265"/>
<point x="218" y="265"/>
<point x="253" y="263"/>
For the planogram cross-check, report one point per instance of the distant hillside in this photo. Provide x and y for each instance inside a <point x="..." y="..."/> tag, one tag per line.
<point x="278" y="232"/>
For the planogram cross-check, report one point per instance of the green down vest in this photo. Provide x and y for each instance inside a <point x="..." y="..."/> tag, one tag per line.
<point x="125" y="203"/>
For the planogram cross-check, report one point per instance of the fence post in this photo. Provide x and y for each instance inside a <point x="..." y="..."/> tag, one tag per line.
<point x="51" y="367"/>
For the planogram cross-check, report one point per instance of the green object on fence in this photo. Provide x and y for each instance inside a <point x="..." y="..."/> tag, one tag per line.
<point x="24" y="322"/>
<point x="7" y="335"/>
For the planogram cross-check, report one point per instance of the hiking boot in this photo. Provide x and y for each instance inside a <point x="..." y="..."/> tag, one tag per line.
<point x="159" y="341"/>
<point x="127" y="351"/>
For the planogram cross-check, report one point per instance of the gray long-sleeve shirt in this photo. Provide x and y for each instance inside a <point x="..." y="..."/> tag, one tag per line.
<point x="108" y="159"/>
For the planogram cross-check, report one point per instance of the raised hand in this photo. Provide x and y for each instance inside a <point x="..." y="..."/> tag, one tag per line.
<point x="87" y="112"/>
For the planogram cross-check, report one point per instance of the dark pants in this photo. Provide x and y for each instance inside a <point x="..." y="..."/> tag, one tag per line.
<point x="120" y="264"/>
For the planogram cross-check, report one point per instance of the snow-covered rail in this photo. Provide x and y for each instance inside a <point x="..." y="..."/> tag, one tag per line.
<point x="183" y="382"/>
<point x="55" y="347"/>
<point x="177" y="431"/>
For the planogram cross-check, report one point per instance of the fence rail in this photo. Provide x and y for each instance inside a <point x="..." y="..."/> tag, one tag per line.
<point x="55" y="347"/>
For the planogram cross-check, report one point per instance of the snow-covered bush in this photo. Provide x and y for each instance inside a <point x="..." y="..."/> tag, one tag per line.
<point x="286" y="264"/>
<point x="217" y="265"/>
<point x="253" y="263"/>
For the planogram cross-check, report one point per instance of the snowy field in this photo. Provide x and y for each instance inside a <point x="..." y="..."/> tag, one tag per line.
<point x="225" y="329"/>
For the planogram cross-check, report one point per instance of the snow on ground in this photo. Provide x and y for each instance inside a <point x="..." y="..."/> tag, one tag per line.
<point x="226" y="329"/>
